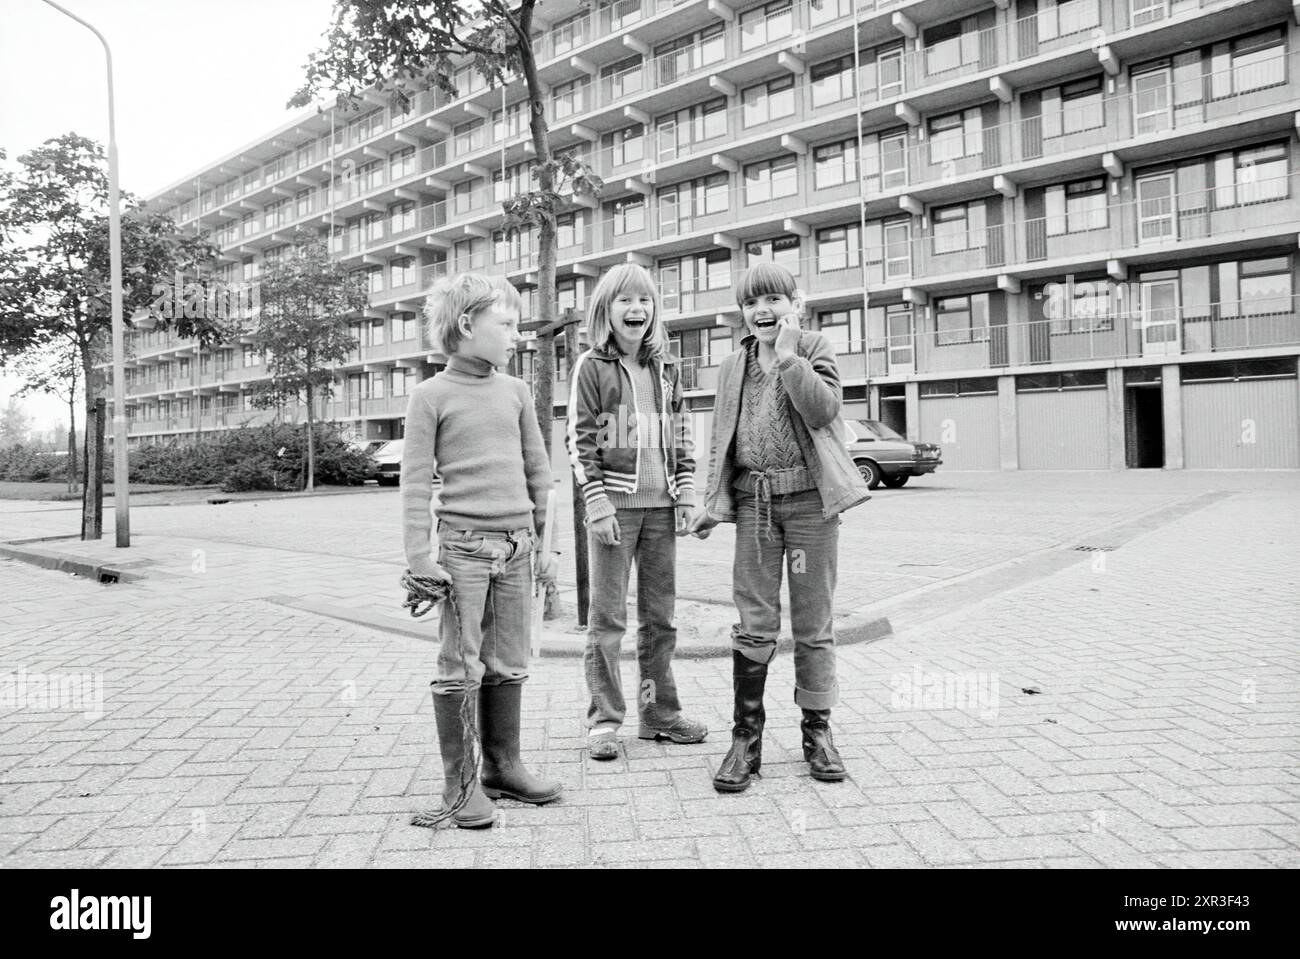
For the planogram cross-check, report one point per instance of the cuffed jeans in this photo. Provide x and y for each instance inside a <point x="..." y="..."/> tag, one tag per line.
<point x="648" y="537"/>
<point x="492" y="585"/>
<point x="808" y="545"/>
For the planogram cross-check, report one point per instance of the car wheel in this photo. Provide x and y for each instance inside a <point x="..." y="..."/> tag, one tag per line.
<point x="870" y="472"/>
<point x="897" y="480"/>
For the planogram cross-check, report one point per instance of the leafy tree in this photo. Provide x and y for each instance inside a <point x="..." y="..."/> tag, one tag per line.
<point x="15" y="424"/>
<point x="407" y="46"/>
<point x="54" y="254"/>
<point x="56" y="371"/>
<point x="303" y="329"/>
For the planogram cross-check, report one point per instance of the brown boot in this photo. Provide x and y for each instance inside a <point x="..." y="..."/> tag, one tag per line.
<point x="460" y="784"/>
<point x="745" y="757"/>
<point x="504" y="773"/>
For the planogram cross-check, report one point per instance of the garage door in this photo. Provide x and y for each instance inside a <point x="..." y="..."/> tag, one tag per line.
<point x="966" y="427"/>
<point x="1250" y="424"/>
<point x="1062" y="430"/>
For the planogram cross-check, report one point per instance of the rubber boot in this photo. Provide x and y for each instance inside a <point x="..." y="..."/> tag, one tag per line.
<point x="504" y="774"/>
<point x="819" y="748"/>
<point x="745" y="757"/>
<point x="478" y="811"/>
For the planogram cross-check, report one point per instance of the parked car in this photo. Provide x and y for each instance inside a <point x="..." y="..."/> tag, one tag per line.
<point x="389" y="458"/>
<point x="882" y="456"/>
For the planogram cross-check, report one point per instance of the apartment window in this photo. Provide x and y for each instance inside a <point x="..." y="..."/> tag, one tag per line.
<point x="629" y="216"/>
<point x="956" y="135"/>
<point x="367" y="126"/>
<point x="302" y="203"/>
<point x="401" y="217"/>
<point x="516" y="181"/>
<point x="627" y="146"/>
<point x="403" y="271"/>
<point x="373" y="224"/>
<point x="889" y="243"/>
<point x="1081" y="108"/>
<point x="835" y="163"/>
<point x="570" y="295"/>
<point x="951" y="46"/>
<point x="692" y="52"/>
<point x="569" y="229"/>
<point x="248" y="223"/>
<point x="1250" y="175"/>
<point x="826" y="11"/>
<point x="570" y="33"/>
<point x="837" y="248"/>
<point x="682" y="277"/>
<point x="467" y="80"/>
<point x="844" y="328"/>
<point x="768" y="101"/>
<point x="400" y="381"/>
<point x="766" y="24"/>
<point x="958" y="227"/>
<point x="782" y="250"/>
<point x="516" y="246"/>
<point x="771" y="179"/>
<point x="961" y="319"/>
<point x="717" y="344"/>
<point x="375" y="280"/>
<point x="468" y="137"/>
<point x="467" y="196"/>
<point x="251" y="270"/>
<point x="1256" y="61"/>
<point x="680" y="203"/>
<point x="510" y="124"/>
<point x="832" y="81"/>
<point x="1061" y="18"/>
<point x="1076" y="207"/>
<point x="251" y="356"/>
<point x="371" y="175"/>
<point x="568" y="99"/>
<point x="1256" y="287"/>
<point x="676" y="132"/>
<point x="623" y="77"/>
<point x="405" y="327"/>
<point x="401" y="164"/>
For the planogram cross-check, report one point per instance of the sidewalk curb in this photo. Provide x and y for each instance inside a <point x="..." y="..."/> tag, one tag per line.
<point x="76" y="565"/>
<point x="849" y="631"/>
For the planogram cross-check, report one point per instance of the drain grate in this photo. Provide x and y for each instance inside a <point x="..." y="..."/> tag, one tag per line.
<point x="1094" y="549"/>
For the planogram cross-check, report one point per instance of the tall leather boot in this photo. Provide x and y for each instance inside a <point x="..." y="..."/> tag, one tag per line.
<point x="504" y="774"/>
<point x="745" y="757"/>
<point x="818" y="747"/>
<point x="478" y="811"/>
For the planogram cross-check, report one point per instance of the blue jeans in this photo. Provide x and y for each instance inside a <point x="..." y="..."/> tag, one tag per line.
<point x="808" y="545"/>
<point x="647" y="536"/>
<point x="485" y="630"/>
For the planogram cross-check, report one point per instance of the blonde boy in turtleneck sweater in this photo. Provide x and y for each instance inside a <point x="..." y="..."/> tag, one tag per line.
<point x="477" y="430"/>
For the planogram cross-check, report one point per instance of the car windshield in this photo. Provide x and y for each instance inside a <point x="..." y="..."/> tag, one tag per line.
<point x="392" y="447"/>
<point x="875" y="428"/>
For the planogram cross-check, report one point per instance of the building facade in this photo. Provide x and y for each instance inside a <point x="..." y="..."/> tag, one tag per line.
<point x="1043" y="233"/>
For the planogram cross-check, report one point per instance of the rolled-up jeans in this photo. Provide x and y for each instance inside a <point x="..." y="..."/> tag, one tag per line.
<point x="648" y="537"/>
<point x="788" y="529"/>
<point x="484" y="631"/>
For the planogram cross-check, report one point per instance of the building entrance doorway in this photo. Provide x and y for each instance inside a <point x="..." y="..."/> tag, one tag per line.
<point x="1144" y="427"/>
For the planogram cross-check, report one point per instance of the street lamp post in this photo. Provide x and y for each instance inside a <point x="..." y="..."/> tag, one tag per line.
<point x="121" y="496"/>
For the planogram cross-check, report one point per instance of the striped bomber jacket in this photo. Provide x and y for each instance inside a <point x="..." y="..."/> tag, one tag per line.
<point x="602" y="433"/>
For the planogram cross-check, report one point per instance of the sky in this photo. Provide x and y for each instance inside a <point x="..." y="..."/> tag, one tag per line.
<point x="193" y="81"/>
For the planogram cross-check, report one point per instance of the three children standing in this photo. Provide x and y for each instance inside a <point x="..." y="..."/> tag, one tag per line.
<point x="778" y="469"/>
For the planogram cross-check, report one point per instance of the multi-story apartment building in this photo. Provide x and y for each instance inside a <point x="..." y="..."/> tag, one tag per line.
<point x="1044" y="233"/>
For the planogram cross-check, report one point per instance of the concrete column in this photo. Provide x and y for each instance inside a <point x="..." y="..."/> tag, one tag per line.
<point x="873" y="402"/>
<point x="912" y="404"/>
<point x="1171" y="402"/>
<point x="1115" y="435"/>
<point x="1008" y="427"/>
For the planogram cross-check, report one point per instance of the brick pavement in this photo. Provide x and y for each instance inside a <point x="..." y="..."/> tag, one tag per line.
<point x="1163" y="733"/>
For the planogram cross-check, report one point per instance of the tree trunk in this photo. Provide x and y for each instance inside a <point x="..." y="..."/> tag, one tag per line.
<point x="311" y="442"/>
<point x="92" y="503"/>
<point x="72" y="445"/>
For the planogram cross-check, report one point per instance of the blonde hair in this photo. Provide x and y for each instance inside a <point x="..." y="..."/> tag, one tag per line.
<point x="461" y="294"/>
<point x="626" y="278"/>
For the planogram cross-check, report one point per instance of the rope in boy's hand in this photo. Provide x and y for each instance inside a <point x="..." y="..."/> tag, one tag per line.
<point x="423" y="593"/>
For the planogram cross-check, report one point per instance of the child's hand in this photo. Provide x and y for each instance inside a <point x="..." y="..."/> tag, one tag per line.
<point x="429" y="568"/>
<point x="703" y="524"/>
<point x="606" y="531"/>
<point x="787" y="340"/>
<point x="685" y="516"/>
<point x="546" y="567"/>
